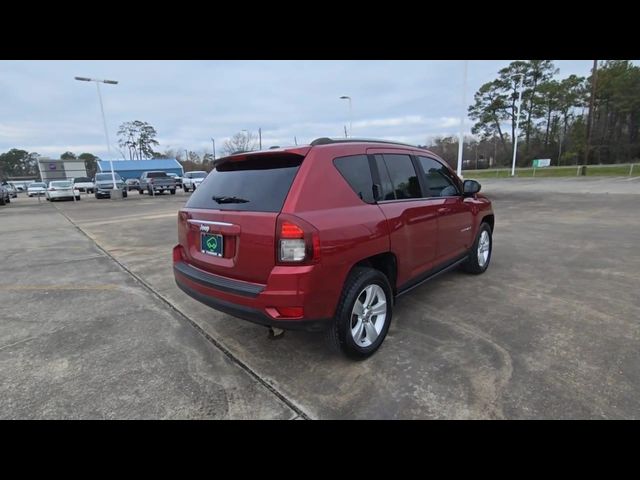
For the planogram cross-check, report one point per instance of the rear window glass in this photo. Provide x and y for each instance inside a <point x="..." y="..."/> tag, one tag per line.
<point x="81" y="180"/>
<point x="156" y="174"/>
<point x="258" y="184"/>
<point x="356" y="172"/>
<point x="197" y="174"/>
<point x="107" y="176"/>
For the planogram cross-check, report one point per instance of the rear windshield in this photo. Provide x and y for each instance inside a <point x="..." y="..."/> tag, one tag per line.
<point x="81" y="180"/>
<point x="197" y="174"/>
<point x="60" y="184"/>
<point x="156" y="174"/>
<point x="37" y="185"/>
<point x="258" y="184"/>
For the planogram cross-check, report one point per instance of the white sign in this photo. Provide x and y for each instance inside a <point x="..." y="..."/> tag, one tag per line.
<point x="543" y="162"/>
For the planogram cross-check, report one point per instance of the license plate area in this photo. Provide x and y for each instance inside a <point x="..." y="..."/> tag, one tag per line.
<point x="212" y="244"/>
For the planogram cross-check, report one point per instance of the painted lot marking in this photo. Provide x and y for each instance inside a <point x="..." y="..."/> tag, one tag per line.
<point x="130" y="218"/>
<point x="17" y="288"/>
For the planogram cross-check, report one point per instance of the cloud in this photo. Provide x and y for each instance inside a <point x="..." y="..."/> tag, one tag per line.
<point x="43" y="109"/>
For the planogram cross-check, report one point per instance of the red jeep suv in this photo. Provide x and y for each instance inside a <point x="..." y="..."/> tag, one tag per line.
<point x="326" y="236"/>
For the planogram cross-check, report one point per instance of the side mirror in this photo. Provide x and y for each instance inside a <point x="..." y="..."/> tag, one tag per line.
<point x="471" y="187"/>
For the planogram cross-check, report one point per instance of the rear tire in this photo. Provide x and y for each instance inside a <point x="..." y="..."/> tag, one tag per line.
<point x="349" y="331"/>
<point x="480" y="252"/>
<point x="173" y="192"/>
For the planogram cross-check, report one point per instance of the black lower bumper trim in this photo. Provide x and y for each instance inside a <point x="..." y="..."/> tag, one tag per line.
<point x="216" y="281"/>
<point x="252" y="314"/>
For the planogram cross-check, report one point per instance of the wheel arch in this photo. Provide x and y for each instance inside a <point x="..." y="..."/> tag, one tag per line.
<point x="385" y="262"/>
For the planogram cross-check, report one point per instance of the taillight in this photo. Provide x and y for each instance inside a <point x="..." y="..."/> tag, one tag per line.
<point x="297" y="241"/>
<point x="52" y="189"/>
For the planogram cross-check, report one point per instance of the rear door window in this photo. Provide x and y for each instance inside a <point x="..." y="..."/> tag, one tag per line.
<point x="386" y="186"/>
<point x="259" y="184"/>
<point x="355" y="170"/>
<point x="157" y="175"/>
<point x="403" y="176"/>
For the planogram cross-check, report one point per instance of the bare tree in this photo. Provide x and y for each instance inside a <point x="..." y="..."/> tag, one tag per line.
<point x="240" y="142"/>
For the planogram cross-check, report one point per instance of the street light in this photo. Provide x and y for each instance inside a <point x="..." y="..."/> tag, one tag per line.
<point x="517" y="132"/>
<point x="104" y="120"/>
<point x="462" y="115"/>
<point x="346" y="97"/>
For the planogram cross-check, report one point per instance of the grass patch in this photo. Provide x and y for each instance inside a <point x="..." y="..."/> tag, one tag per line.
<point x="592" y="171"/>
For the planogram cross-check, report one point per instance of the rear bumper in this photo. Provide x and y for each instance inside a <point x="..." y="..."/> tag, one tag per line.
<point x="62" y="194"/>
<point x="249" y="301"/>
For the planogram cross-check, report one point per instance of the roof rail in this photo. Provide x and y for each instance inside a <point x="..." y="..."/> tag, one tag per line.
<point x="330" y="141"/>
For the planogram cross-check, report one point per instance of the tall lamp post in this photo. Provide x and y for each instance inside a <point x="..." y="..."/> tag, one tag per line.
<point x="346" y="97"/>
<point x="462" y="115"/>
<point x="214" y="148"/>
<point x="104" y="120"/>
<point x="517" y="132"/>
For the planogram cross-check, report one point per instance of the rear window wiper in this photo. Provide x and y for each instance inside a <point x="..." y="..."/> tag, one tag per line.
<point x="223" y="199"/>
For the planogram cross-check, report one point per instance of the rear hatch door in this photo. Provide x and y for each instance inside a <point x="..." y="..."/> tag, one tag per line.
<point x="228" y="226"/>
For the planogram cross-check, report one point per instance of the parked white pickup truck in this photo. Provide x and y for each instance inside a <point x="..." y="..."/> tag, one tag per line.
<point x="191" y="180"/>
<point x="84" y="184"/>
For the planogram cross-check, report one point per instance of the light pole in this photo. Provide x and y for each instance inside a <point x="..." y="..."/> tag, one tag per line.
<point x="104" y="120"/>
<point x="214" y="148"/>
<point x="517" y="132"/>
<point x="346" y="97"/>
<point x="462" y="115"/>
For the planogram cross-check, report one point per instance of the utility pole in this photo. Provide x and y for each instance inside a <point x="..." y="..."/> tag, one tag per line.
<point x="594" y="76"/>
<point x="345" y="132"/>
<point x="260" y="137"/>
<point x="214" y="148"/>
<point x="295" y="140"/>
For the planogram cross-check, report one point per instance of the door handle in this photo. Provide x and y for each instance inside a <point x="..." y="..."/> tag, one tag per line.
<point x="443" y="211"/>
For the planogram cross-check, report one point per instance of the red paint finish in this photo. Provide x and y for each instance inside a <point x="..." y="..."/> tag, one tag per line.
<point x="339" y="230"/>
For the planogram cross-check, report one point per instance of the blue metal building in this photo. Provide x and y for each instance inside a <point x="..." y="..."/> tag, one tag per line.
<point x="135" y="168"/>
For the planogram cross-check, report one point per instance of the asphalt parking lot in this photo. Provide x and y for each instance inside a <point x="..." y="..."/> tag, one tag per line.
<point x="93" y="325"/>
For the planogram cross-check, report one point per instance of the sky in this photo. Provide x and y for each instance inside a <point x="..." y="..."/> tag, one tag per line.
<point x="44" y="110"/>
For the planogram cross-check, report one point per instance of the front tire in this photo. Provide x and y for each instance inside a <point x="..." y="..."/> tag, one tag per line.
<point x="363" y="315"/>
<point x="480" y="253"/>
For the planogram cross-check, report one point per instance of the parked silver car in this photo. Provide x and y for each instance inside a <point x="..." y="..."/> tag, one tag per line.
<point x="4" y="195"/>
